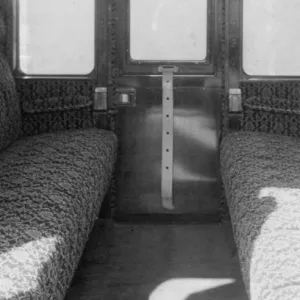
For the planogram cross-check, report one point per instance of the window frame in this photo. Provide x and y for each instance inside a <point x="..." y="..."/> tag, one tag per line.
<point x="146" y="67"/>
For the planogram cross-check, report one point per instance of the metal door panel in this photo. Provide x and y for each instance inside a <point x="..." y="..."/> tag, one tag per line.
<point x="196" y="182"/>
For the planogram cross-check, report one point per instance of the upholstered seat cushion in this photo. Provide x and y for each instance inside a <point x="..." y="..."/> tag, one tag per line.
<point x="51" y="188"/>
<point x="261" y="175"/>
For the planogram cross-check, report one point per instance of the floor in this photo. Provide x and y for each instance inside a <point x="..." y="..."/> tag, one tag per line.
<point x="159" y="262"/>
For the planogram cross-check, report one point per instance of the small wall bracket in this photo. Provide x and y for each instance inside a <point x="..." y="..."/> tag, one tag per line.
<point x="235" y="100"/>
<point x="167" y="136"/>
<point x="100" y="99"/>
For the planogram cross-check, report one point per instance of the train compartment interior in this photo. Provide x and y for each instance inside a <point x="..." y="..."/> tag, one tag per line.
<point x="149" y="149"/>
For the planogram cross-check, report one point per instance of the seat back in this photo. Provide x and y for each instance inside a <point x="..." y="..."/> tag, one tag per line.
<point x="10" y="112"/>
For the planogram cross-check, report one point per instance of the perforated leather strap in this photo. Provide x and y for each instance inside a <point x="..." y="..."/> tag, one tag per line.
<point x="167" y="136"/>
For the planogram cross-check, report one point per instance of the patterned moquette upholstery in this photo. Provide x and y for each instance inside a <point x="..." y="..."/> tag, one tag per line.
<point x="10" y="113"/>
<point x="2" y="31"/>
<point x="261" y="174"/>
<point x="51" y="189"/>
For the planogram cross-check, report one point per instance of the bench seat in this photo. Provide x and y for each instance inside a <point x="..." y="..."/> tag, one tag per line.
<point x="261" y="176"/>
<point x="51" y="189"/>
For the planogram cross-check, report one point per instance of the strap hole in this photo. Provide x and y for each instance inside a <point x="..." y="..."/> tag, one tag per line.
<point x="167" y="116"/>
<point x="167" y="150"/>
<point x="168" y="132"/>
<point x="168" y="98"/>
<point x="167" y="168"/>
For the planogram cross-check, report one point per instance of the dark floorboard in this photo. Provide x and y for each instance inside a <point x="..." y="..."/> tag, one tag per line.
<point x="159" y="262"/>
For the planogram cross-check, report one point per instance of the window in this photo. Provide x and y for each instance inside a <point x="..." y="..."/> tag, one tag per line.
<point x="56" y="37"/>
<point x="174" y="30"/>
<point x="271" y="43"/>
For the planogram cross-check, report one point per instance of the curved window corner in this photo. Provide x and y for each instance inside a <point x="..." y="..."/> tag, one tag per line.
<point x="56" y="37"/>
<point x="271" y="44"/>
<point x="158" y="33"/>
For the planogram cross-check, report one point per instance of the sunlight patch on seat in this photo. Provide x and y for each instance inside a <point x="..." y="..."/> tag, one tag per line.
<point x="280" y="194"/>
<point x="182" y="288"/>
<point x="275" y="234"/>
<point x="22" y="266"/>
<point x="273" y="202"/>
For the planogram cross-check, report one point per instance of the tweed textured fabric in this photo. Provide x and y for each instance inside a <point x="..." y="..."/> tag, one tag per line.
<point x="10" y="112"/>
<point x="51" y="189"/>
<point x="261" y="175"/>
<point x="6" y="28"/>
<point x="2" y="31"/>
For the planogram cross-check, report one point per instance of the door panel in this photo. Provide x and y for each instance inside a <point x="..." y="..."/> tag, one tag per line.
<point x="196" y="123"/>
<point x="198" y="90"/>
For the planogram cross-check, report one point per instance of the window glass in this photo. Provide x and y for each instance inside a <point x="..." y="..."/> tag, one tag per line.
<point x="271" y="43"/>
<point x="56" y="37"/>
<point x="168" y="30"/>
